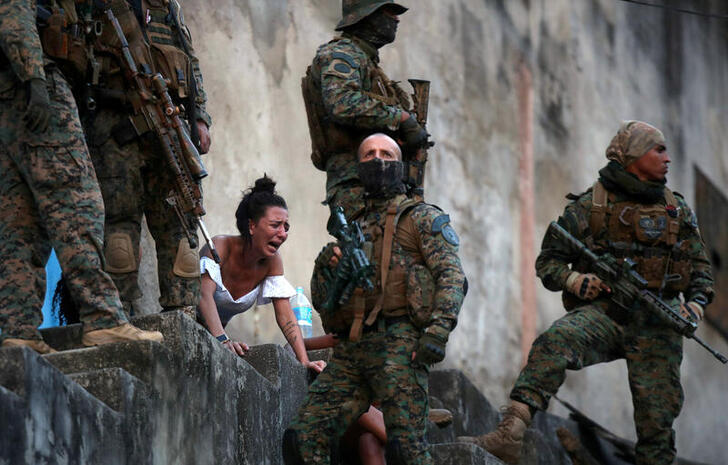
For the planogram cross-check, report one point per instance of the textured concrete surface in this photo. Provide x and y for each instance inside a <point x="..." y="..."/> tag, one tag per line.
<point x="592" y="62"/>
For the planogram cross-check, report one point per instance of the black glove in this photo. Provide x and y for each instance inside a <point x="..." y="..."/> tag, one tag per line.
<point x="431" y="346"/>
<point x="413" y="136"/>
<point x="38" y="113"/>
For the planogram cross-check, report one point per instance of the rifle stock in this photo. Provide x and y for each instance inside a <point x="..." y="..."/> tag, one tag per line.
<point x="628" y="286"/>
<point x="416" y="163"/>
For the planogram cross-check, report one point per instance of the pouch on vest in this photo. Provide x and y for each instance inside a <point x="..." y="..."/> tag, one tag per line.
<point x="680" y="265"/>
<point x="420" y="295"/>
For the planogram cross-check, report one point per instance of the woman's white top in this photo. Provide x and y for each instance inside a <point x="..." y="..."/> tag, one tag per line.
<point x="271" y="287"/>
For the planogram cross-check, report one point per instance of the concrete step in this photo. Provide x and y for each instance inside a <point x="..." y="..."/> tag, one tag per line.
<point x="52" y="416"/>
<point x="139" y="405"/>
<point x="472" y="413"/>
<point x="13" y="440"/>
<point x="115" y="387"/>
<point x="461" y="454"/>
<point x="146" y="360"/>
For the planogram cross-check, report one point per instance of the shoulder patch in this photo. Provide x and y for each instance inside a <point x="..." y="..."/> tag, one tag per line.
<point x="441" y="225"/>
<point x="346" y="58"/>
<point x="439" y="222"/>
<point x="339" y="68"/>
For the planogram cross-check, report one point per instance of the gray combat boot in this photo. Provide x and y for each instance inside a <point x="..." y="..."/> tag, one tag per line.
<point x="506" y="441"/>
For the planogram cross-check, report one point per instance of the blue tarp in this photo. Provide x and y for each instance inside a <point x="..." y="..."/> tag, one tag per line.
<point x="53" y="274"/>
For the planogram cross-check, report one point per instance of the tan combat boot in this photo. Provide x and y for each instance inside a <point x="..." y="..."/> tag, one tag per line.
<point x="36" y="344"/>
<point x="440" y="416"/>
<point x="123" y="333"/>
<point x="506" y="441"/>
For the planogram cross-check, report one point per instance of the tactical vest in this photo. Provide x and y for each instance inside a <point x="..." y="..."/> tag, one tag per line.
<point x="82" y="41"/>
<point x="403" y="286"/>
<point x="646" y="233"/>
<point x="329" y="138"/>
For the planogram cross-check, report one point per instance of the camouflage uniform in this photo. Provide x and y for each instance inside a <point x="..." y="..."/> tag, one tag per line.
<point x="49" y="195"/>
<point x="379" y="366"/>
<point x="133" y="175"/>
<point x="595" y="332"/>
<point x="357" y="99"/>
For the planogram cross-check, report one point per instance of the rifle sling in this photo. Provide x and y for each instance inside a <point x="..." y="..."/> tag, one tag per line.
<point x="359" y="307"/>
<point x="389" y="226"/>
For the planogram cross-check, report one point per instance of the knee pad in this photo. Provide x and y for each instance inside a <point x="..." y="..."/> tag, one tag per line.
<point x="291" y="452"/>
<point x="119" y="253"/>
<point x="187" y="261"/>
<point x="394" y="453"/>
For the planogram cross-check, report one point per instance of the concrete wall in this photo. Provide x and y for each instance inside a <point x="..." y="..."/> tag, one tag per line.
<point x="526" y="96"/>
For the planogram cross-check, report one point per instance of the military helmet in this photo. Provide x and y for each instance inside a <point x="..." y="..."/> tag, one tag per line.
<point x="353" y="11"/>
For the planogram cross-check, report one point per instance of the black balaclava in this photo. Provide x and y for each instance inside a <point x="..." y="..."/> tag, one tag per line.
<point x="379" y="28"/>
<point x="382" y="179"/>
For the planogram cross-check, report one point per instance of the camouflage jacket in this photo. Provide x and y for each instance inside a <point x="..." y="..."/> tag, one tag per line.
<point x="20" y="46"/>
<point x="552" y="264"/>
<point x="357" y="96"/>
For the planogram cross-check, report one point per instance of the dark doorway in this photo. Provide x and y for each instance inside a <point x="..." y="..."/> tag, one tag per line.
<point x="711" y="207"/>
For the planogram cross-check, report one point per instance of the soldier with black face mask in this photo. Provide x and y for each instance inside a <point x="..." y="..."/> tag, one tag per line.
<point x="348" y="97"/>
<point x="387" y="337"/>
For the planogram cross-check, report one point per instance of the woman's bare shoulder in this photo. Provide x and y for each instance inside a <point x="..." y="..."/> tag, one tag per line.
<point x="223" y="243"/>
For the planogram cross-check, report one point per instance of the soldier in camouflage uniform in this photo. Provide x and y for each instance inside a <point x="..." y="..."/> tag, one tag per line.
<point x="48" y="195"/>
<point x="629" y="213"/>
<point x="348" y="97"/>
<point x="387" y="337"/>
<point x="131" y="167"/>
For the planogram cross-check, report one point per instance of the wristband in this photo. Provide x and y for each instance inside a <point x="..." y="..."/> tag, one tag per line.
<point x="223" y="338"/>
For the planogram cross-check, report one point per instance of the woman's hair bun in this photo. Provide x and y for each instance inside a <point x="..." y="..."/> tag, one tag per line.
<point x="264" y="184"/>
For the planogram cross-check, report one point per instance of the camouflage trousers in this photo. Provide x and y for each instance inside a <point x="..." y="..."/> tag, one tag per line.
<point x="49" y="197"/>
<point x="378" y="367"/>
<point x="343" y="187"/>
<point x="135" y="182"/>
<point x="586" y="336"/>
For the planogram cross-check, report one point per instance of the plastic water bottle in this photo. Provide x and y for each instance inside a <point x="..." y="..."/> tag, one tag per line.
<point x="303" y="311"/>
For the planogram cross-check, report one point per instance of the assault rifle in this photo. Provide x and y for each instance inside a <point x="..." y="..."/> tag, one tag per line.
<point x="416" y="163"/>
<point x="354" y="268"/>
<point x="629" y="287"/>
<point x="152" y="102"/>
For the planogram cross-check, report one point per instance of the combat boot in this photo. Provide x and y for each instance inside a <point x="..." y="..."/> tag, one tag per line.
<point x="440" y="416"/>
<point x="506" y="441"/>
<point x="122" y="333"/>
<point x="37" y="345"/>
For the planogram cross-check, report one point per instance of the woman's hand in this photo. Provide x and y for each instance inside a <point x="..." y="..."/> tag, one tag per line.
<point x="315" y="365"/>
<point x="238" y="348"/>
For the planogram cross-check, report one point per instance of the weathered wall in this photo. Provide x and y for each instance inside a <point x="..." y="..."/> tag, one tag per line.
<point x="586" y="65"/>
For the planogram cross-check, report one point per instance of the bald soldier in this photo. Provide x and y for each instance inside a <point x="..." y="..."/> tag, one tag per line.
<point x="389" y="336"/>
<point x="630" y="214"/>
<point x="348" y="97"/>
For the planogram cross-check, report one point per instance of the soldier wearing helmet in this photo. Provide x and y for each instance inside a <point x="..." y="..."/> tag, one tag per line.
<point x="348" y="97"/>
